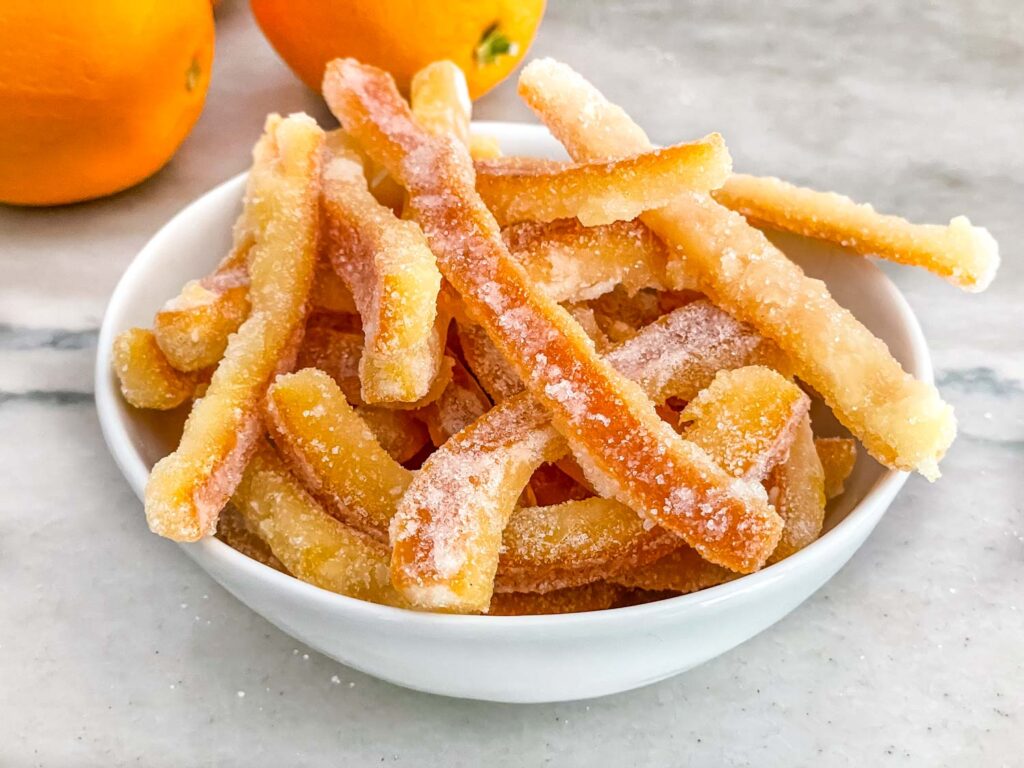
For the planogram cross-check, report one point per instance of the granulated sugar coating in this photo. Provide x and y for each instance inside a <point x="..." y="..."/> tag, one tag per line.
<point x="901" y="421"/>
<point x="388" y="267"/>
<point x="332" y="450"/>
<point x="965" y="255"/>
<point x="542" y="342"/>
<point x="193" y="328"/>
<point x="570" y="262"/>
<point x="447" y="531"/>
<point x="604" y="192"/>
<point x="311" y="544"/>
<point x="187" y="489"/>
<point x="147" y="378"/>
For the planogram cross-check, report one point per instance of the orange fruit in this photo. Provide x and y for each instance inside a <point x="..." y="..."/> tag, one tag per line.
<point x="486" y="38"/>
<point x="96" y="96"/>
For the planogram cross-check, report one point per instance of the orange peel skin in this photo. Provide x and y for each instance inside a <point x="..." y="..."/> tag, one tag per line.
<point x="901" y="421"/>
<point x="607" y="420"/>
<point x="333" y="451"/>
<point x="838" y="456"/>
<point x="486" y="363"/>
<point x="797" y="489"/>
<point x="965" y="255"/>
<point x="193" y="328"/>
<point x="602" y="192"/>
<point x="447" y="531"/>
<point x="390" y="271"/>
<point x="596" y="596"/>
<point x="147" y="378"/>
<point x="458" y="405"/>
<point x="570" y="262"/>
<point x="187" y="489"/>
<point x="312" y="545"/>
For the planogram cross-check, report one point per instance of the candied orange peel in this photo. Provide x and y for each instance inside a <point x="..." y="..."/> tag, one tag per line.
<point x="611" y="426"/>
<point x="602" y="192"/>
<point x="187" y="489"/>
<point x="901" y="421"/>
<point x="965" y="255"/>
<point x="147" y="378"/>
<point x="386" y="264"/>
<point x="433" y="377"/>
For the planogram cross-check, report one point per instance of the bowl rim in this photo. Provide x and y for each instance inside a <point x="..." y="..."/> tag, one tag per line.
<point x="864" y="514"/>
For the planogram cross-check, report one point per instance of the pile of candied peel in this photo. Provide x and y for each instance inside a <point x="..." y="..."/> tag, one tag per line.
<point x="433" y="377"/>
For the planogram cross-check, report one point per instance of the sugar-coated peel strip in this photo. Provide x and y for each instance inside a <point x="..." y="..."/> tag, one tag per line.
<point x="332" y="347"/>
<point x="965" y="255"/>
<point x="682" y="571"/>
<point x="311" y="544"/>
<point x="486" y="363"/>
<point x="747" y="419"/>
<point x="602" y="192"/>
<point x="570" y="262"/>
<point x="458" y="405"/>
<point x="596" y="596"/>
<point x="187" y="489"/>
<point x="901" y="421"/>
<point x="332" y="450"/>
<point x="193" y="328"/>
<point x="330" y="293"/>
<point x="440" y="101"/>
<point x="574" y="543"/>
<point x="391" y="273"/>
<point x="447" y="532"/>
<point x="838" y="456"/>
<point x="146" y="377"/>
<point x="443" y="556"/>
<point x="797" y="489"/>
<point x="608" y="421"/>
<point x="399" y="433"/>
<point x="232" y="530"/>
<point x="336" y="353"/>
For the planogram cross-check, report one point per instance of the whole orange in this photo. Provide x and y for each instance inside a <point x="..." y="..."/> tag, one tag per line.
<point x="96" y="95"/>
<point x="486" y="38"/>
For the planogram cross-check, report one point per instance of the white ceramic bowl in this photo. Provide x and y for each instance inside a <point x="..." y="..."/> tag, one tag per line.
<point x="512" y="659"/>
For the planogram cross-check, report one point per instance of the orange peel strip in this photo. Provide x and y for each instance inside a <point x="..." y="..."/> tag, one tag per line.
<point x="147" y="378"/>
<point x="391" y="273"/>
<point x="838" y="456"/>
<point x="333" y="451"/>
<point x="486" y="363"/>
<point x="444" y="555"/>
<point x="570" y="262"/>
<point x="901" y="421"/>
<point x="459" y="404"/>
<point x="596" y="596"/>
<point x="187" y="489"/>
<point x="399" y="433"/>
<point x="746" y="419"/>
<point x="440" y="100"/>
<point x="193" y="328"/>
<point x="797" y="489"/>
<point x="965" y="255"/>
<point x="608" y="421"/>
<point x="447" y="532"/>
<point x="311" y="544"/>
<point x="602" y="192"/>
<point x="232" y="530"/>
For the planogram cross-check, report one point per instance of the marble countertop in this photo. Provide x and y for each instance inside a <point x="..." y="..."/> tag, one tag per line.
<point x="115" y="649"/>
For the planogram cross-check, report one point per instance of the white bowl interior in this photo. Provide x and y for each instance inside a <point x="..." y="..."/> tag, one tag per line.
<point x="196" y="239"/>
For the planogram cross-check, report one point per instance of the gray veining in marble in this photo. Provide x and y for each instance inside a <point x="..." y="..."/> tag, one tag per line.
<point x="116" y="650"/>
